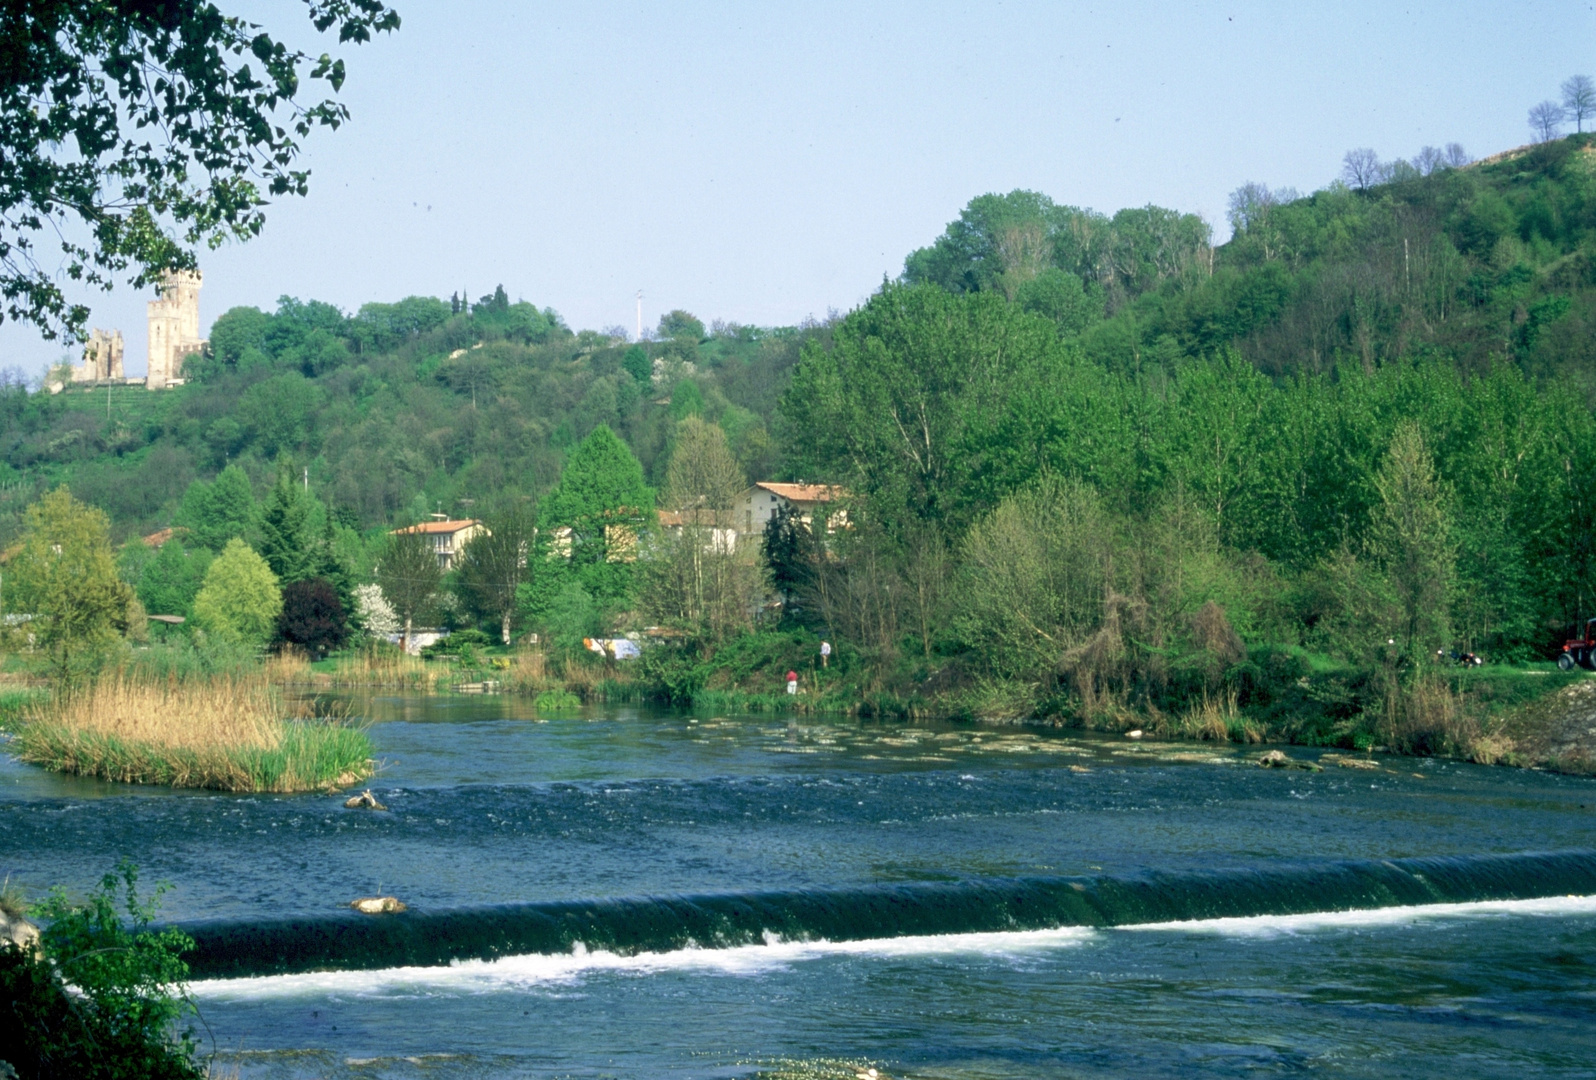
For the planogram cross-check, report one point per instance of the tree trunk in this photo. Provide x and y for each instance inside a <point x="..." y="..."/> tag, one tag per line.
<point x="504" y="626"/>
<point x="405" y="644"/>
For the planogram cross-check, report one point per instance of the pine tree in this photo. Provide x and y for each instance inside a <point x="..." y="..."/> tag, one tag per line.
<point x="285" y="541"/>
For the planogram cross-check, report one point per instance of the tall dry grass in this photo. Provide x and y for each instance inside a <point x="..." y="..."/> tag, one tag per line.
<point x="1426" y="715"/>
<point x="378" y="666"/>
<point x="1215" y="718"/>
<point x="232" y="733"/>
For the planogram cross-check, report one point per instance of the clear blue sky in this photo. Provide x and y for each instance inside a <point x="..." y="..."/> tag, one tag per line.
<point x="765" y="162"/>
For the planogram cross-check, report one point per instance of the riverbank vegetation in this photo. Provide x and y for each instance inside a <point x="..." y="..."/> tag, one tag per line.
<point x="103" y="995"/>
<point x="1083" y="469"/>
<point x="227" y="733"/>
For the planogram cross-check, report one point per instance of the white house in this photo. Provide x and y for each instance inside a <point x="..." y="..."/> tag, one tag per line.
<point x="448" y="537"/>
<point x="759" y="504"/>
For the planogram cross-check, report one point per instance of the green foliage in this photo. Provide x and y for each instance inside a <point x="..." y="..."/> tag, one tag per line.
<point x="180" y="123"/>
<point x="216" y="512"/>
<point x="681" y="324"/>
<point x="409" y="576"/>
<point x="169" y="582"/>
<point x="636" y="363"/>
<point x="120" y="1019"/>
<point x="602" y="499"/>
<point x="903" y="408"/>
<point x="65" y="575"/>
<point x="572" y="614"/>
<point x="240" y="600"/>
<point x="490" y="571"/>
<point x="556" y="701"/>
<point x="285" y="538"/>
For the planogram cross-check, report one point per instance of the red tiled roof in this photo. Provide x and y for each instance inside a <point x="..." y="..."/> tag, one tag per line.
<point x="156" y="539"/>
<point x="803" y="492"/>
<point x="439" y="526"/>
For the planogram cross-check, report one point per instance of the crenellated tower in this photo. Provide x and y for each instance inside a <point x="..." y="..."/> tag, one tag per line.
<point x="174" y="328"/>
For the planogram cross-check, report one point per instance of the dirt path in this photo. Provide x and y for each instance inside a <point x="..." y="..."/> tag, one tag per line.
<point x="1556" y="732"/>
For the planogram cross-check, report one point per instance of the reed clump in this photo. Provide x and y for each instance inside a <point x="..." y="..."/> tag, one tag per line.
<point x="228" y="733"/>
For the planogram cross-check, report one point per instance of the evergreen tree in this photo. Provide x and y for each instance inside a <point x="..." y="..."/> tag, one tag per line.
<point x="285" y="540"/>
<point x="330" y="567"/>
<point x="788" y="549"/>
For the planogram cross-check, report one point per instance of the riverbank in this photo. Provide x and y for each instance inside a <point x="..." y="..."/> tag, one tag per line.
<point x="1511" y="715"/>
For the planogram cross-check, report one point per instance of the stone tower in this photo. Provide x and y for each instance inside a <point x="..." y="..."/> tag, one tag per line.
<point x="102" y="358"/>
<point x="174" y="328"/>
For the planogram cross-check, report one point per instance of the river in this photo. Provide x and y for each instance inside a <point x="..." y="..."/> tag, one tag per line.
<point x="859" y="895"/>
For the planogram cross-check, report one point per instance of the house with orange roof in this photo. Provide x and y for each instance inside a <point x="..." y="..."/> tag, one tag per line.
<point x="758" y="504"/>
<point x="449" y="537"/>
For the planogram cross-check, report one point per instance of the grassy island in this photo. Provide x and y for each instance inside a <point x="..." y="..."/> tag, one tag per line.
<point x="229" y="733"/>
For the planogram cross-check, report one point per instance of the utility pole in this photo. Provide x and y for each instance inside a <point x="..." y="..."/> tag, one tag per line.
<point x="639" y="314"/>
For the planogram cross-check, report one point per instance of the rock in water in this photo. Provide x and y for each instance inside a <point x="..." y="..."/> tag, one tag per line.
<point x="377" y="905"/>
<point x="365" y="800"/>
<point x="1134" y="734"/>
<point x="1277" y="759"/>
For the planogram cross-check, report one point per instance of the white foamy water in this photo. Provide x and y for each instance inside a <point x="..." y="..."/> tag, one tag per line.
<point x="508" y="973"/>
<point x="480" y="976"/>
<point x="1268" y="925"/>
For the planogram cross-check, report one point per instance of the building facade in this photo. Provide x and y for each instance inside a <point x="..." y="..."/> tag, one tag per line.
<point x="102" y="358"/>
<point x="174" y="329"/>
<point x="448" y="537"/>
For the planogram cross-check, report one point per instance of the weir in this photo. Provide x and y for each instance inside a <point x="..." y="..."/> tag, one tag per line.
<point x="660" y="924"/>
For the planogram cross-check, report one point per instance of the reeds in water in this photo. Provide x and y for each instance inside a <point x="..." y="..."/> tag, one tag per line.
<point x="231" y="733"/>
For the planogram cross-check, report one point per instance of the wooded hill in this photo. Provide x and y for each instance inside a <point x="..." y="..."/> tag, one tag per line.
<point x="1260" y="384"/>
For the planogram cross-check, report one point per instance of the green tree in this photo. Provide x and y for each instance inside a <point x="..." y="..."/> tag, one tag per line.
<point x="681" y="324"/>
<point x="697" y="576"/>
<point x="217" y="512"/>
<point x="901" y="409"/>
<point x="1062" y="297"/>
<point x="285" y="538"/>
<point x="148" y="129"/>
<point x="1035" y="570"/>
<point x="409" y="575"/>
<point x="493" y="566"/>
<point x="169" y="582"/>
<point x="240" y="600"/>
<point x="602" y="499"/>
<point x="1410" y="535"/>
<point x="65" y="576"/>
<point x="635" y="362"/>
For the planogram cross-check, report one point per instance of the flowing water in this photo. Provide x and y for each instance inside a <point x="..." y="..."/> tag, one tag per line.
<point x="627" y="893"/>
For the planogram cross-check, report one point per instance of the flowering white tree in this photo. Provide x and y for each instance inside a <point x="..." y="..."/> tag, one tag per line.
<point x="374" y="611"/>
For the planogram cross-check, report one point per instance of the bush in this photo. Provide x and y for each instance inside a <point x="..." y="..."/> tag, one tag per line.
<point x="313" y="617"/>
<point x="463" y="643"/>
<point x="120" y="1018"/>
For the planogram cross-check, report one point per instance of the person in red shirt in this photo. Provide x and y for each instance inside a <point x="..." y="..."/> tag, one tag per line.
<point x="792" y="682"/>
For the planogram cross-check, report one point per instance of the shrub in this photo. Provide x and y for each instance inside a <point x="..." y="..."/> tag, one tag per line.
<point x="120" y="1017"/>
<point x="313" y="617"/>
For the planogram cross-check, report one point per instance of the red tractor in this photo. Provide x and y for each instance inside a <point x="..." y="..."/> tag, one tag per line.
<point x="1581" y="651"/>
